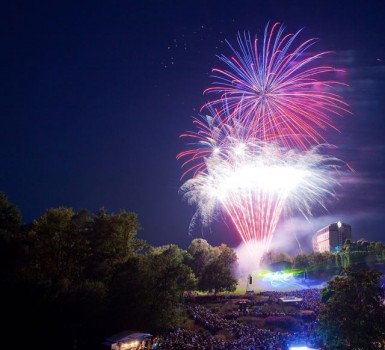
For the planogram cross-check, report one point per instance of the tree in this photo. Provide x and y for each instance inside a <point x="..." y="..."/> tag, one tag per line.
<point x="58" y="247"/>
<point x="167" y="278"/>
<point x="274" y="260"/>
<point x="301" y="262"/>
<point x="352" y="315"/>
<point x="201" y="252"/>
<point x="212" y="266"/>
<point x="329" y="261"/>
<point x="226" y="254"/>
<point x="147" y="289"/>
<point x="10" y="217"/>
<point x="323" y="262"/>
<point x="10" y="225"/>
<point x="53" y="291"/>
<point x="378" y="247"/>
<point x="69" y="262"/>
<point x="217" y="274"/>
<point x="113" y="241"/>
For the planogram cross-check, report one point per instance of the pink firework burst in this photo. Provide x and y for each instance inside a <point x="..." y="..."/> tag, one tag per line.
<point x="275" y="87"/>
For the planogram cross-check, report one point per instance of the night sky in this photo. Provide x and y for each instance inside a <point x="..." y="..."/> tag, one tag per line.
<point x="95" y="94"/>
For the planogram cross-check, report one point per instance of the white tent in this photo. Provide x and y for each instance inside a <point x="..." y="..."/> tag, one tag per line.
<point x="129" y="340"/>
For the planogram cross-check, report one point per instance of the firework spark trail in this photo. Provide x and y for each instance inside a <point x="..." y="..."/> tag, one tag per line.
<point x="254" y="187"/>
<point x="245" y="211"/>
<point x="214" y="135"/>
<point x="256" y="151"/>
<point x="275" y="89"/>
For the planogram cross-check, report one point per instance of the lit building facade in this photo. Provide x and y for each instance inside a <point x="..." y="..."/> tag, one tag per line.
<point x="331" y="238"/>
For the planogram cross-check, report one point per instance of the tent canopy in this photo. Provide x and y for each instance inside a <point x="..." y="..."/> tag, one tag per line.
<point x="126" y="336"/>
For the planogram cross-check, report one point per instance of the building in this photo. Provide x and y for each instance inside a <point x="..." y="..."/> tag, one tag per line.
<point x="129" y="340"/>
<point x="331" y="238"/>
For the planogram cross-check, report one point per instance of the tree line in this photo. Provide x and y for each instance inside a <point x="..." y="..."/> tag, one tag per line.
<point x="360" y="254"/>
<point x="73" y="278"/>
<point x="357" y="254"/>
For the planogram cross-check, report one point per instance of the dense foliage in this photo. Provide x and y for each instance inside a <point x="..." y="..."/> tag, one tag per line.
<point x="212" y="266"/>
<point x="74" y="278"/>
<point x="353" y="313"/>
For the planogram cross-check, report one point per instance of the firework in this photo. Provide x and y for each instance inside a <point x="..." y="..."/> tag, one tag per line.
<point x="213" y="135"/>
<point x="256" y="151"/>
<point x="276" y="89"/>
<point x="255" y="182"/>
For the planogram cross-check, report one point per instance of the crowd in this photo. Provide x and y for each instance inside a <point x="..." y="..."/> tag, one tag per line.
<point x="240" y="335"/>
<point x="311" y="298"/>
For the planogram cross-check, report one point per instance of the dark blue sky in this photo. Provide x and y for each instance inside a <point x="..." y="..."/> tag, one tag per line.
<point x="94" y="96"/>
